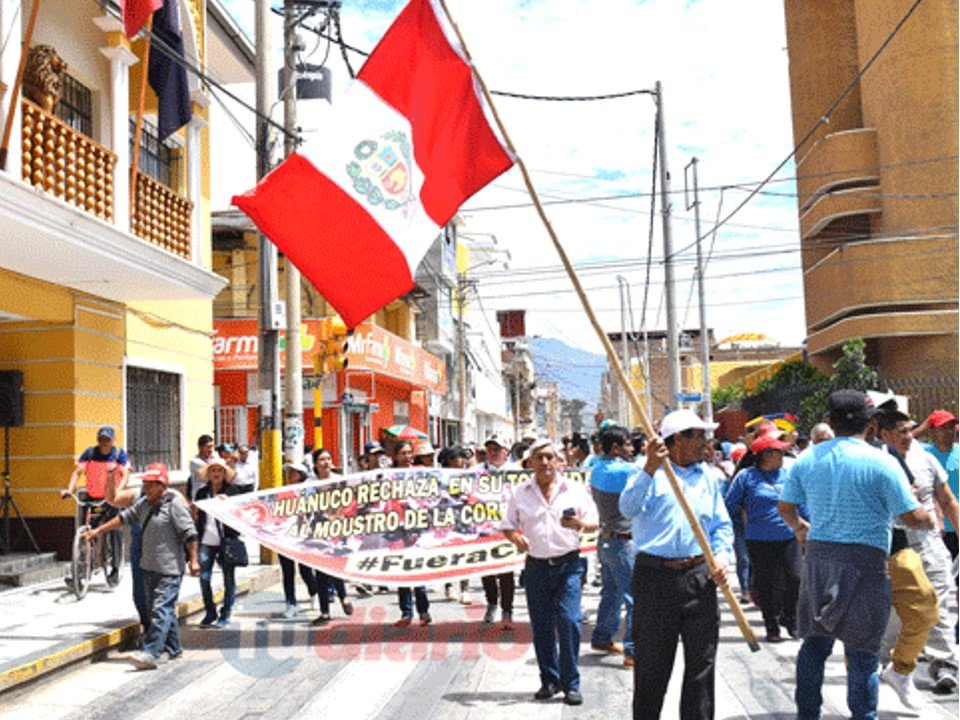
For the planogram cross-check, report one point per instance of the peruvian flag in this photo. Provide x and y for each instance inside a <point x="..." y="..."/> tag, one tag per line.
<point x="135" y="14"/>
<point x="357" y="209"/>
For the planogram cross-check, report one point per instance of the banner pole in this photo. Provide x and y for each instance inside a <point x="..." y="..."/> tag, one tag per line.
<point x="18" y="83"/>
<point x="138" y="126"/>
<point x="701" y="536"/>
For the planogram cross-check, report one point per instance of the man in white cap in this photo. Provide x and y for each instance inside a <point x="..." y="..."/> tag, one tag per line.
<point x="674" y="591"/>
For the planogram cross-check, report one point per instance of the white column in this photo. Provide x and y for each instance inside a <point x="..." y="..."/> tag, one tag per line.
<point x="11" y="13"/>
<point x="194" y="165"/>
<point x="121" y="58"/>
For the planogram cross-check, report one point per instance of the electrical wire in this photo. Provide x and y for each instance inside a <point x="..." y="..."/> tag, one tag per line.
<point x="823" y="119"/>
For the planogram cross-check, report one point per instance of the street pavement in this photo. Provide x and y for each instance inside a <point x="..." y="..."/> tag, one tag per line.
<point x="455" y="669"/>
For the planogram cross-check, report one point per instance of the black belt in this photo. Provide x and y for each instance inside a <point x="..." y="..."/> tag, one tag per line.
<point x="670" y="563"/>
<point x="558" y="560"/>
<point x="616" y="536"/>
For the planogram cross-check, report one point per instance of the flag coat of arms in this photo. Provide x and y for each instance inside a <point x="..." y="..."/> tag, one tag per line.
<point x="409" y="142"/>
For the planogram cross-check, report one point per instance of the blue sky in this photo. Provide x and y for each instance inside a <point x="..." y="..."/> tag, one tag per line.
<point x="726" y="97"/>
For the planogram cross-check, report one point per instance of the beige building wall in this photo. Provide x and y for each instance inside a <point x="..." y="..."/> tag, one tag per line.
<point x="877" y="184"/>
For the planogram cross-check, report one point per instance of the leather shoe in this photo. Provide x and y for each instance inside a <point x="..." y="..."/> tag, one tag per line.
<point x="774" y="638"/>
<point x="573" y="697"/>
<point x="546" y="692"/>
<point x="613" y="648"/>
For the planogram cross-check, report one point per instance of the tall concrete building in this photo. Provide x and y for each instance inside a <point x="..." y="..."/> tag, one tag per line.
<point x="877" y="187"/>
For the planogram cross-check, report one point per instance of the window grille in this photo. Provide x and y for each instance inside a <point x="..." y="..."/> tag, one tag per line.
<point x="76" y="106"/>
<point x="153" y="418"/>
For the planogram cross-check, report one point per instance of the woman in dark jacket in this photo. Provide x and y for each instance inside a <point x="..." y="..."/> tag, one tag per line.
<point x="217" y="477"/>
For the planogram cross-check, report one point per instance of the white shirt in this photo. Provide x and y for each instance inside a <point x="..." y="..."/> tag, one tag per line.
<point x="246" y="473"/>
<point x="928" y="474"/>
<point x="539" y="520"/>
<point x="211" y="532"/>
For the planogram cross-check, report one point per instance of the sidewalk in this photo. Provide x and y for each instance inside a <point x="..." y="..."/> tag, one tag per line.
<point x="44" y="627"/>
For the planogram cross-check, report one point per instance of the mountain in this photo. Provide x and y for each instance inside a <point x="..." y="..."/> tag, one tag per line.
<point x="577" y="371"/>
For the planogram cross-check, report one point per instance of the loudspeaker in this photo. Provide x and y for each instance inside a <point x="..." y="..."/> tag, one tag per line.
<point x="11" y="398"/>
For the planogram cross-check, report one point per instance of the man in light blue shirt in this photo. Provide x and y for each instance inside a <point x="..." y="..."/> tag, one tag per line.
<point x="852" y="492"/>
<point x="674" y="591"/>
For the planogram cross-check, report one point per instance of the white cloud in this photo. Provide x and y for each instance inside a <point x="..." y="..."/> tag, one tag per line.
<point x="726" y="96"/>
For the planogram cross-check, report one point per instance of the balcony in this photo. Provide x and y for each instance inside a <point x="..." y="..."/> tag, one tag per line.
<point x="60" y="224"/>
<point x="65" y="163"/>
<point x="836" y="206"/>
<point x="845" y="159"/>
<point x="161" y="216"/>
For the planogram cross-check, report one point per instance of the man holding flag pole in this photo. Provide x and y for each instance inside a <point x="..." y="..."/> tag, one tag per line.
<point x="411" y="142"/>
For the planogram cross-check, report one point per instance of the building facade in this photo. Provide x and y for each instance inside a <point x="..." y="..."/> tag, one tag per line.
<point x="877" y="187"/>
<point x="105" y="296"/>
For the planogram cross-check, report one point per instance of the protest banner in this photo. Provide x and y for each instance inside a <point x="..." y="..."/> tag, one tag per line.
<point x="401" y="527"/>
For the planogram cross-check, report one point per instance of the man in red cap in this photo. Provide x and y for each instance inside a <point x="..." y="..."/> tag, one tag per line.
<point x="942" y="428"/>
<point x="167" y="528"/>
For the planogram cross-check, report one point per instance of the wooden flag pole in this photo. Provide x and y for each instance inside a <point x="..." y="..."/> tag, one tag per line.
<point x="701" y="536"/>
<point x="15" y="91"/>
<point x="138" y="127"/>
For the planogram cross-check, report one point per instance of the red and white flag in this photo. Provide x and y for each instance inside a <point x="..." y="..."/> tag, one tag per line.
<point x="135" y="14"/>
<point x="357" y="209"/>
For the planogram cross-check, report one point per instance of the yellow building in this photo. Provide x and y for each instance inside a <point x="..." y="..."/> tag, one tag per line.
<point x="877" y="186"/>
<point x="105" y="303"/>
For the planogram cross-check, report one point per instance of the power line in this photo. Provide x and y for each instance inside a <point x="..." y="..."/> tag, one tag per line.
<point x="823" y="118"/>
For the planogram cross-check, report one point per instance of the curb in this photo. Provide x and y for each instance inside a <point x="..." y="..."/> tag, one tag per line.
<point x="9" y="679"/>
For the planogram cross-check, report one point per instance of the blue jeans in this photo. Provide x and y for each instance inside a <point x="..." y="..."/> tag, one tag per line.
<point x="616" y="557"/>
<point x="136" y="575"/>
<point x="863" y="679"/>
<point x="553" y="601"/>
<point x="162" y="592"/>
<point x="405" y="598"/>
<point x="208" y="555"/>
<point x="741" y="554"/>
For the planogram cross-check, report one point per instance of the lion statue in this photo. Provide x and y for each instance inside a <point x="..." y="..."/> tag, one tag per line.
<point x="43" y="77"/>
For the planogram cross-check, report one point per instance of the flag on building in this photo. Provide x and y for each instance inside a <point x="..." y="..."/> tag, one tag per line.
<point x="168" y="77"/>
<point x="135" y="14"/>
<point x="358" y="208"/>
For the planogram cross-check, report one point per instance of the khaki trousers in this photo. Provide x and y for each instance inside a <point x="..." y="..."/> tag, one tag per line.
<point x="917" y="610"/>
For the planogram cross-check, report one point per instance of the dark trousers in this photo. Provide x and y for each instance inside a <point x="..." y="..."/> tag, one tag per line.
<point x="307" y="574"/>
<point x="406" y="596"/>
<point x="776" y="569"/>
<point x="502" y="585"/>
<point x="667" y="605"/>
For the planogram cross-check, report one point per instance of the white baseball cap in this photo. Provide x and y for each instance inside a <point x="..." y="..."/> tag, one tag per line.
<point x="684" y="419"/>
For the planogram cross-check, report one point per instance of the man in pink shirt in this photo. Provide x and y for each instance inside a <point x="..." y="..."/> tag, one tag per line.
<point x="545" y="517"/>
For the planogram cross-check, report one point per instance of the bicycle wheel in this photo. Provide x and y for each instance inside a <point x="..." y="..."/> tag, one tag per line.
<point x="82" y="563"/>
<point x="112" y="557"/>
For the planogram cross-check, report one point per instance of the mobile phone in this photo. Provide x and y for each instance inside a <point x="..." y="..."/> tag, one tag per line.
<point x="569" y="512"/>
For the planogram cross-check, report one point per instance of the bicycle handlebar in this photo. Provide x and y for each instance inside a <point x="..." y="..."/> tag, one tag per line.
<point x="76" y="498"/>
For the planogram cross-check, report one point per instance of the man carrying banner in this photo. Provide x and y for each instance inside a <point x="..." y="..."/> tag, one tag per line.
<point x="498" y="587"/>
<point x="545" y="517"/>
<point x="674" y="591"/>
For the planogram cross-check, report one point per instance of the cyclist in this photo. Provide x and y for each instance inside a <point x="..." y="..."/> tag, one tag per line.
<point x="100" y="464"/>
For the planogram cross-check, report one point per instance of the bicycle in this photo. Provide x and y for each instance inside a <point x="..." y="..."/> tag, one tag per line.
<point x="105" y="552"/>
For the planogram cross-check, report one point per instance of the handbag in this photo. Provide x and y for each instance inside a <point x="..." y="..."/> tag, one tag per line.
<point x="235" y="552"/>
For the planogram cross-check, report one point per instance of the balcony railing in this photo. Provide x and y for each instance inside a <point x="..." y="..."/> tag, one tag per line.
<point x="162" y="217"/>
<point x="66" y="163"/>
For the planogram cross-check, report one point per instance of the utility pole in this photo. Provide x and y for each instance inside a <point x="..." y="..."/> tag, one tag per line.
<point x="461" y="360"/>
<point x="673" y="343"/>
<point x="269" y="346"/>
<point x="293" y="416"/>
<point x="704" y="339"/>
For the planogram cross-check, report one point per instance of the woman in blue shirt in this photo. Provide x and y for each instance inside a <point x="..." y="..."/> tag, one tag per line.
<point x="775" y="556"/>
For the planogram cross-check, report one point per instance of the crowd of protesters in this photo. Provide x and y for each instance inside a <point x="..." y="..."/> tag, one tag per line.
<point x="827" y="535"/>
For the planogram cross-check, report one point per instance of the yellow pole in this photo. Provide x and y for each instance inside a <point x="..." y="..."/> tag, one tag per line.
<point x="271" y="476"/>
<point x="317" y="402"/>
